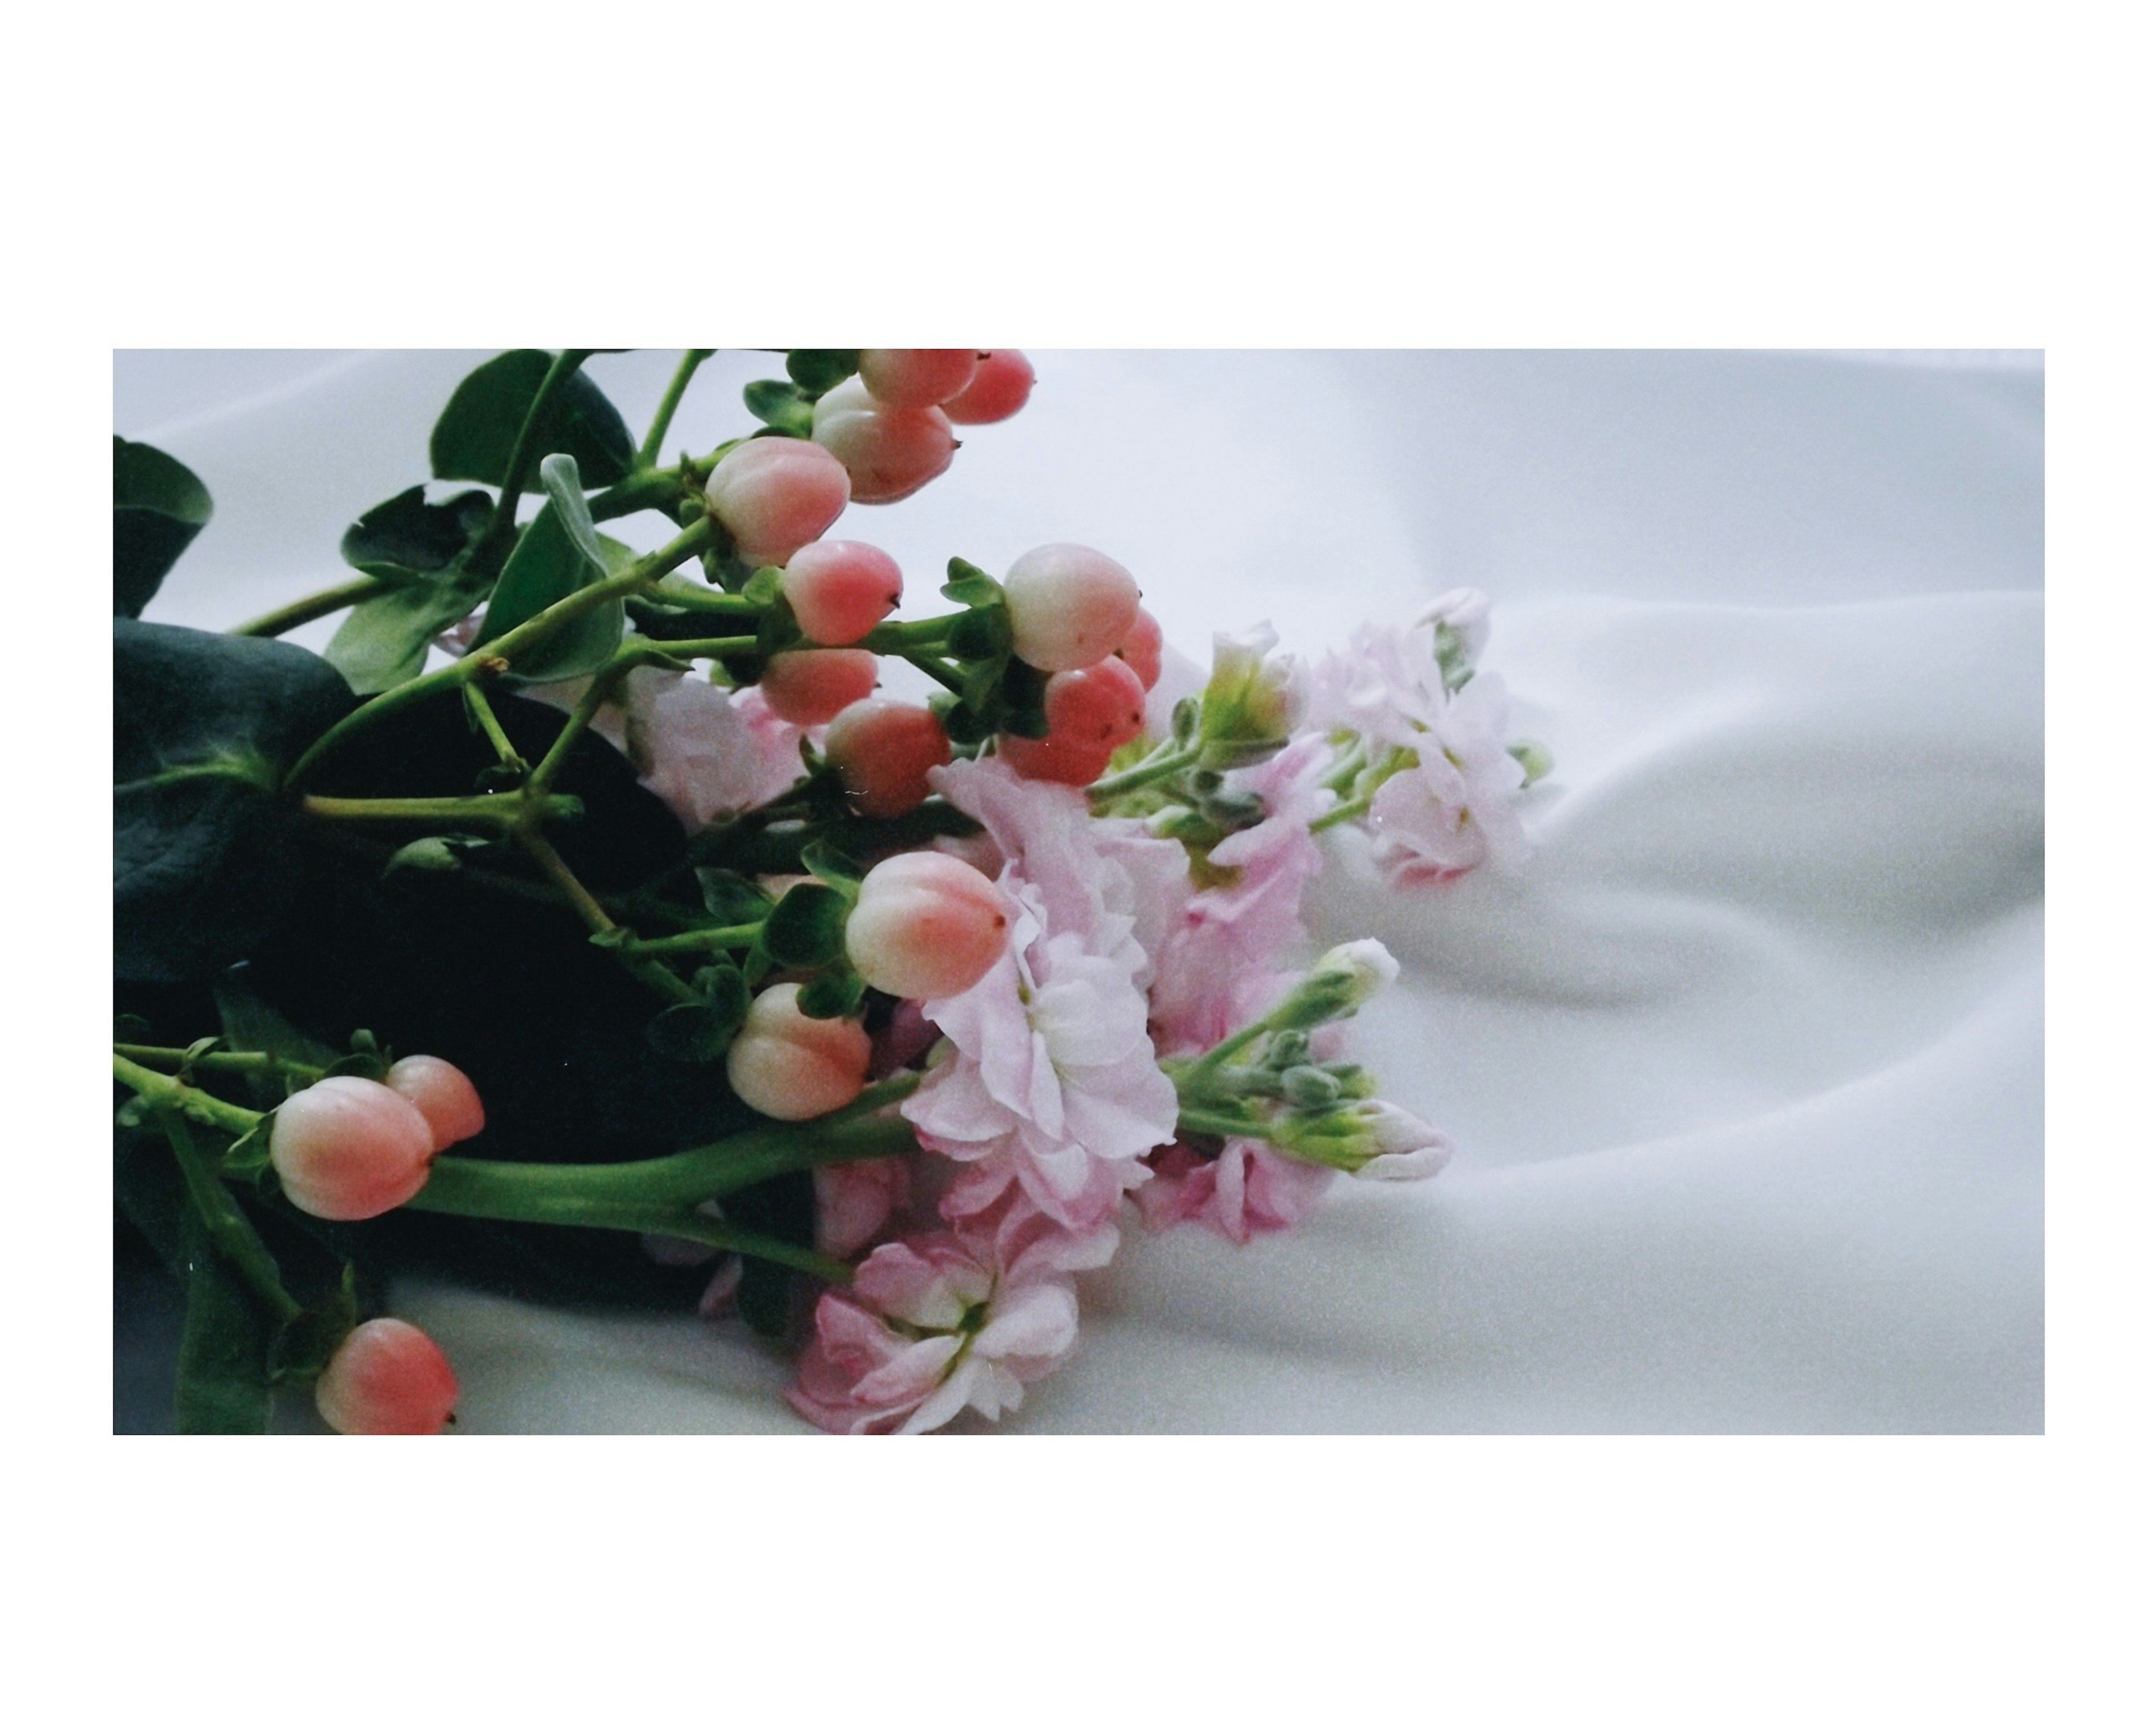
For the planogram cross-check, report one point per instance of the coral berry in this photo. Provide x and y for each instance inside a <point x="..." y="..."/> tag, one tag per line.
<point x="348" y="1148"/>
<point x="1100" y="706"/>
<point x="917" y="376"/>
<point x="790" y="1066"/>
<point x="1060" y="760"/>
<point x="1140" y="648"/>
<point x="884" y="752"/>
<point x="1069" y="606"/>
<point x="926" y="925"/>
<point x="839" y="590"/>
<point x="888" y="452"/>
<point x="442" y="1093"/>
<point x="774" y="494"/>
<point x="1001" y="384"/>
<point x="387" y="1380"/>
<point x="813" y="686"/>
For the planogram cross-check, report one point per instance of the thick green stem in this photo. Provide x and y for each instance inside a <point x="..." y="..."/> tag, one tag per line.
<point x="315" y="605"/>
<point x="694" y="596"/>
<point x="169" y="1093"/>
<point x="1162" y="764"/>
<point x="902" y="637"/>
<point x="1219" y="1125"/>
<point x="508" y="810"/>
<point x="227" y="1060"/>
<point x="654" y="439"/>
<point x="701" y="940"/>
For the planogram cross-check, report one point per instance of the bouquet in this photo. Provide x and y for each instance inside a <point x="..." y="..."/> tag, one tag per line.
<point x="600" y="925"/>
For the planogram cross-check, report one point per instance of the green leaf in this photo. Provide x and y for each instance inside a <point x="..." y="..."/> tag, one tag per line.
<point x="731" y="899"/>
<point x="971" y="586"/>
<point x="204" y="727"/>
<point x="820" y="370"/>
<point x="781" y="406"/>
<point x="832" y="865"/>
<point x="694" y="1032"/>
<point x="807" y="928"/>
<point x="304" y="1342"/>
<point x="558" y="553"/>
<point x="473" y="438"/>
<point x="158" y="506"/>
<point x="408" y="535"/>
<point x="784" y="1208"/>
<point x="224" y="1375"/>
<point x="834" y="994"/>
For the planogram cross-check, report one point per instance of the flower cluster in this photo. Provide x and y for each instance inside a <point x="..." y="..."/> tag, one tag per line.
<point x="1000" y="969"/>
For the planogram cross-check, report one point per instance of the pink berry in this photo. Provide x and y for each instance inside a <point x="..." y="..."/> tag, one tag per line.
<point x="840" y="590"/>
<point x="442" y="1093"/>
<point x="1060" y="760"/>
<point x="774" y="494"/>
<point x="1000" y="385"/>
<point x="1070" y="606"/>
<point x="1141" y="648"/>
<point x="791" y="1066"/>
<point x="812" y="685"/>
<point x="884" y="752"/>
<point x="386" y="1379"/>
<point x="926" y="925"/>
<point x="917" y="376"/>
<point x="1100" y="706"/>
<point x="888" y="452"/>
<point x="348" y="1148"/>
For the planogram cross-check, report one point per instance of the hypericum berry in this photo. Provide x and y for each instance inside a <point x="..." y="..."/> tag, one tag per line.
<point x="791" y="1066"/>
<point x="348" y="1148"/>
<point x="839" y="590"/>
<point x="917" y="376"/>
<point x="813" y="685"/>
<point x="775" y="493"/>
<point x="926" y="925"/>
<point x="1001" y="383"/>
<point x="1141" y="648"/>
<point x="1060" y="760"/>
<point x="442" y="1093"/>
<point x="1069" y="605"/>
<point x="888" y="452"/>
<point x="884" y="752"/>
<point x="1100" y="706"/>
<point x="386" y="1379"/>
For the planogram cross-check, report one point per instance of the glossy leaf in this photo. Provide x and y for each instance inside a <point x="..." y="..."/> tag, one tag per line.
<point x="474" y="438"/>
<point x="820" y="370"/>
<point x="383" y="641"/>
<point x="408" y="536"/>
<point x="223" y="1375"/>
<point x="158" y="506"/>
<point x="807" y="928"/>
<point x="558" y="553"/>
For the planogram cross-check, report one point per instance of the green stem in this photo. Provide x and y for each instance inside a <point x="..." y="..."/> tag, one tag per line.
<point x="482" y="711"/>
<point x="169" y="1093"/>
<point x="900" y="637"/>
<point x="1227" y="1048"/>
<point x="923" y="661"/>
<point x="694" y="596"/>
<point x="507" y="810"/>
<point x="531" y="436"/>
<point x="699" y="940"/>
<point x="229" y="1060"/>
<point x="654" y="438"/>
<point x="228" y="1230"/>
<point x="1164" y="763"/>
<point x="652" y="975"/>
<point x="315" y="605"/>
<point x="1219" y="1125"/>
<point x="658" y="488"/>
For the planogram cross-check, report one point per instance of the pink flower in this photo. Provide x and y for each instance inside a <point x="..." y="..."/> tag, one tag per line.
<point x="933" y="1325"/>
<point x="1249" y="1189"/>
<point x="704" y="751"/>
<point x="854" y="1201"/>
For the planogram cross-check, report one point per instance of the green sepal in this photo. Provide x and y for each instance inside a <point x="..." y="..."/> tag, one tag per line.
<point x="829" y="864"/>
<point x="1025" y="693"/>
<point x="732" y="900"/>
<point x="764" y="587"/>
<point x="982" y="633"/>
<point x="158" y="506"/>
<point x="807" y="928"/>
<point x="971" y="586"/>
<point x="781" y="406"/>
<point x="820" y="370"/>
<point x="474" y="438"/>
<point x="304" y="1342"/>
<point x="834" y="994"/>
<point x="699" y="1030"/>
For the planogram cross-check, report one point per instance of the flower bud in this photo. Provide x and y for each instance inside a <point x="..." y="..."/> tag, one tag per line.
<point x="1001" y="383"/>
<point x="348" y="1148"/>
<point x="926" y="925"/>
<point x="1140" y="648"/>
<point x="1252" y="702"/>
<point x="813" y="685"/>
<point x="1069" y="606"/>
<point x="1461" y="629"/>
<point x="839" y="590"/>
<point x="884" y="752"/>
<point x="386" y="1379"/>
<point x="773" y="495"/>
<point x="1100" y="706"/>
<point x="917" y="376"/>
<point x="1374" y="1141"/>
<point x="1345" y="978"/>
<point x="442" y="1093"/>
<point x="888" y="452"/>
<point x="790" y="1066"/>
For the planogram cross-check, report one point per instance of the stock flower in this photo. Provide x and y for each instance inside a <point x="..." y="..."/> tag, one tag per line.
<point x="1248" y="1188"/>
<point x="853" y="1200"/>
<point x="706" y="753"/>
<point x="933" y="1325"/>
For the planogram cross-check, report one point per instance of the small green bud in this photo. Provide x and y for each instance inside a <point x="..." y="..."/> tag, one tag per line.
<point x="1308" y="1087"/>
<point x="1344" y="979"/>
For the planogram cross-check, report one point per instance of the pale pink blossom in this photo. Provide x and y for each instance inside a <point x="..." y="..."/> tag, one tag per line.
<point x="934" y="1325"/>
<point x="706" y="752"/>
<point x="855" y="1200"/>
<point x="1249" y="1189"/>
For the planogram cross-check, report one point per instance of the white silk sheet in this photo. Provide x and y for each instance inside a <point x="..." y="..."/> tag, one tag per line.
<point x="1746" y="1071"/>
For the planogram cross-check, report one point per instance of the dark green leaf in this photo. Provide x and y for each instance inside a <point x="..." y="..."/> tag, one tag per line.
<point x="832" y="865"/>
<point x="807" y="928"/>
<point x="970" y="585"/>
<point x="408" y="535"/>
<point x="223" y="1375"/>
<point x="473" y="438"/>
<point x="982" y="633"/>
<point x="203" y="727"/>
<point x="383" y="641"/>
<point x="731" y="899"/>
<point x="784" y="1208"/>
<point x="1025" y="691"/>
<point x="781" y="406"/>
<point x="820" y="370"/>
<point x="158" y="506"/>
<point x="304" y="1342"/>
<point x="693" y="1032"/>
<point x="560" y="552"/>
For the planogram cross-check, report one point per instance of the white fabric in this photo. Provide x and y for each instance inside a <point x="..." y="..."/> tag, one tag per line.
<point x="1746" y="1071"/>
